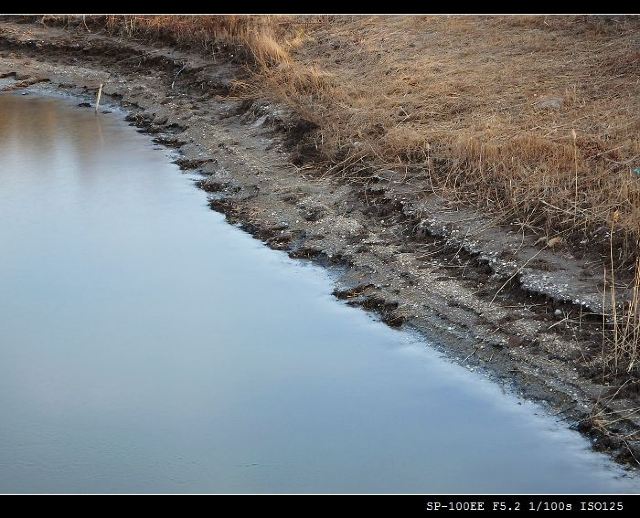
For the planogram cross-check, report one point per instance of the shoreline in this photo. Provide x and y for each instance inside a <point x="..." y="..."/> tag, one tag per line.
<point x="428" y="278"/>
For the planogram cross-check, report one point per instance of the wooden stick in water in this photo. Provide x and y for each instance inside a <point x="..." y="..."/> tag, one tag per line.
<point x="98" y="98"/>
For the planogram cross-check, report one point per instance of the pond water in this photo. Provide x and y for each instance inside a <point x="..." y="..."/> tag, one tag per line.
<point x="146" y="345"/>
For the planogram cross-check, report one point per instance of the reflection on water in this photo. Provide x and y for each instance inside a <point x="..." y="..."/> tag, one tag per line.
<point x="146" y="345"/>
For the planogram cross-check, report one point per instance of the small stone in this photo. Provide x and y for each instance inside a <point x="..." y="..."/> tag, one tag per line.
<point x="550" y="103"/>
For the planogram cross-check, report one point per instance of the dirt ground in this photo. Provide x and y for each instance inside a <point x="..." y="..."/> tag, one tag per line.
<point x="489" y="296"/>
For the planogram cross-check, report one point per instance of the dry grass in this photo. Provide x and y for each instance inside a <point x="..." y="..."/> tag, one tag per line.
<point x="529" y="117"/>
<point x="257" y="37"/>
<point x="621" y="345"/>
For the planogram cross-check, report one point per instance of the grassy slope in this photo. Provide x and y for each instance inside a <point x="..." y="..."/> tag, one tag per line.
<point x="531" y="118"/>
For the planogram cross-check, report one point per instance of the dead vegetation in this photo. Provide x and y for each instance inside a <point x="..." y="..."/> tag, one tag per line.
<point x="532" y="119"/>
<point x="621" y="344"/>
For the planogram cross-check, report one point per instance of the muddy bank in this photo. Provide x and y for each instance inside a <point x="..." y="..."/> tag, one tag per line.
<point x="416" y="260"/>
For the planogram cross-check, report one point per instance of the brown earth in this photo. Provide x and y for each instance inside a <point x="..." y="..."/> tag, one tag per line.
<point x="489" y="296"/>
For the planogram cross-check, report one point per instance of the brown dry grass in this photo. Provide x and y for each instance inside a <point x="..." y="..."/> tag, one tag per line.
<point x="535" y="118"/>
<point x="625" y="344"/>
<point x="257" y="35"/>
